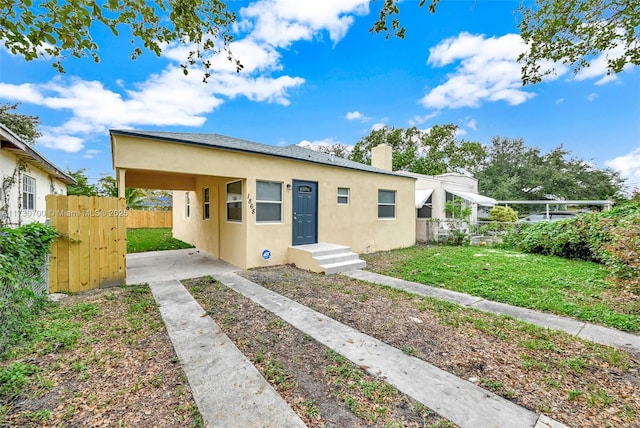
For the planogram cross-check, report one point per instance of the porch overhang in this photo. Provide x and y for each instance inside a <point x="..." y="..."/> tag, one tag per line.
<point x="422" y="196"/>
<point x="483" y="201"/>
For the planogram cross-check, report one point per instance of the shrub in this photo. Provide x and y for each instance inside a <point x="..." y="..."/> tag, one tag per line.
<point x="609" y="237"/>
<point x="503" y="214"/>
<point x="23" y="254"/>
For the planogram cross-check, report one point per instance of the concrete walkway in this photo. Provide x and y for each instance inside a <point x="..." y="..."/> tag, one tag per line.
<point x="228" y="390"/>
<point x="460" y="401"/>
<point x="595" y="333"/>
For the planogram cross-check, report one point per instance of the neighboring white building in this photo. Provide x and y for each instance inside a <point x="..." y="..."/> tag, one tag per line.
<point x="33" y="177"/>
<point x="434" y="191"/>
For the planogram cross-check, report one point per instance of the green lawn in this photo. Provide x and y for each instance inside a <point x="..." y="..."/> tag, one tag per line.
<point x="141" y="240"/>
<point x="566" y="287"/>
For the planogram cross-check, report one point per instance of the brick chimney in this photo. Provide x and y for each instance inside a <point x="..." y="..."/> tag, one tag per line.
<point x="382" y="157"/>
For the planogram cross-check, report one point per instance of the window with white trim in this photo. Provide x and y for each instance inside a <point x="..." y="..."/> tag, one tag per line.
<point x="386" y="204"/>
<point x="187" y="204"/>
<point x="268" y="202"/>
<point x="28" y="193"/>
<point x="206" y="209"/>
<point x="234" y="201"/>
<point x="343" y="196"/>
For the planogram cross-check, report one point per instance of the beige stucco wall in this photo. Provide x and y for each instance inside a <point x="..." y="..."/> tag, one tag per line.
<point x="355" y="225"/>
<point x="45" y="185"/>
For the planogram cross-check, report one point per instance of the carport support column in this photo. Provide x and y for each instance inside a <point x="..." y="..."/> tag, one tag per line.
<point x="120" y="182"/>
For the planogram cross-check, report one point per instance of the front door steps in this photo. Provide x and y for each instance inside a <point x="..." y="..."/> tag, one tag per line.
<point x="325" y="258"/>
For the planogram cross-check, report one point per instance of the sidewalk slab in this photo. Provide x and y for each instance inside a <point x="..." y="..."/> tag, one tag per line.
<point x="228" y="390"/>
<point x="460" y="401"/>
<point x="158" y="266"/>
<point x="594" y="333"/>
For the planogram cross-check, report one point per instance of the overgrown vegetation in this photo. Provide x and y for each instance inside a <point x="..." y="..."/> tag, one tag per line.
<point x="611" y="238"/>
<point x="100" y="358"/>
<point x="159" y="239"/>
<point x="574" y="288"/>
<point x="23" y="287"/>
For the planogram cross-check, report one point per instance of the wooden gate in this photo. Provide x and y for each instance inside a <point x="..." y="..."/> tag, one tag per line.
<point x="92" y="247"/>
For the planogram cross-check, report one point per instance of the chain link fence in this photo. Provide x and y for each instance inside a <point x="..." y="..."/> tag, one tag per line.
<point x="456" y="231"/>
<point x="19" y="298"/>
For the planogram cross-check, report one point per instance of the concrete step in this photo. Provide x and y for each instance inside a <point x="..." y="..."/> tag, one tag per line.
<point x="336" y="258"/>
<point x="344" y="266"/>
<point x="323" y="249"/>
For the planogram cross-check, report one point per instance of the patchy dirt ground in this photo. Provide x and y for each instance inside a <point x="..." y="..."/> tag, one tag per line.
<point x="322" y="387"/>
<point x="573" y="381"/>
<point x="122" y="370"/>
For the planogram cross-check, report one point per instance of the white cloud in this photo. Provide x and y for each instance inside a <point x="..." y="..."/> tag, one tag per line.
<point x="559" y="100"/>
<point x="356" y="115"/>
<point x="67" y="143"/>
<point x="598" y="67"/>
<point x="164" y="99"/>
<point x="629" y="168"/>
<point x="377" y="126"/>
<point x="282" y="22"/>
<point x="472" y="124"/>
<point x="169" y="98"/>
<point x="592" y="96"/>
<point x="90" y="154"/>
<point x="487" y="71"/>
<point x="418" y="120"/>
<point x="319" y="144"/>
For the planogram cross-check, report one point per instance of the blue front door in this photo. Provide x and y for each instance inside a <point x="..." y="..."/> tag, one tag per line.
<point x="305" y="212"/>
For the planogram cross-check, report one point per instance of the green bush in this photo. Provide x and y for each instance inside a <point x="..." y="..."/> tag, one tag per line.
<point x="23" y="252"/>
<point x="503" y="214"/>
<point x="610" y="237"/>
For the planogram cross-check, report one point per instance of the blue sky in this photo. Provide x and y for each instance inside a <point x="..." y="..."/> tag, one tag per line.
<point x="315" y="75"/>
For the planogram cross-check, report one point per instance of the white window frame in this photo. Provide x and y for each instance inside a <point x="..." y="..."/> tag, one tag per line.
<point x="260" y="201"/>
<point x="343" y="196"/>
<point x="187" y="204"/>
<point x="206" y="203"/>
<point x="234" y="201"/>
<point x="28" y="189"/>
<point x="387" y="204"/>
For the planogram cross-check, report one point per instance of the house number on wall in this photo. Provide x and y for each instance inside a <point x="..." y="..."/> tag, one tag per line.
<point x="250" y="202"/>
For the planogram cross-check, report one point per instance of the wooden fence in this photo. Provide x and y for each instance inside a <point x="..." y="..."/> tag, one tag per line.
<point x="91" y="251"/>
<point x="149" y="219"/>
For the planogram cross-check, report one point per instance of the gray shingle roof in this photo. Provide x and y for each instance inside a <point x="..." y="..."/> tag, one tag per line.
<point x="229" y="143"/>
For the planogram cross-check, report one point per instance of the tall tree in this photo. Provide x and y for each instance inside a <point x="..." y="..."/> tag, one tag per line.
<point x="134" y="198"/>
<point x="83" y="188"/>
<point x="514" y="171"/>
<point x="24" y="126"/>
<point x="570" y="32"/>
<point x="431" y="152"/>
<point x="57" y="28"/>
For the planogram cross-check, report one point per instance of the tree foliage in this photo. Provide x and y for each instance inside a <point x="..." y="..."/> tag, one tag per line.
<point x="107" y="186"/>
<point x="24" y="126"/>
<point x="503" y="214"/>
<point x="57" y="29"/>
<point x="570" y="32"/>
<point x="515" y="171"/>
<point x="432" y="152"/>
<point x="83" y="187"/>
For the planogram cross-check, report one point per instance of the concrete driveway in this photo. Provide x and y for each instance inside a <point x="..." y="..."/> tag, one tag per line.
<point x="157" y="266"/>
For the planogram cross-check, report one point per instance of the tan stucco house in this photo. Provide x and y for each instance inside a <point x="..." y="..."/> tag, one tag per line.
<point x="27" y="178"/>
<point x="255" y="205"/>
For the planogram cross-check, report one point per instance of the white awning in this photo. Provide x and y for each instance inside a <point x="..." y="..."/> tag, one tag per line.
<point x="484" y="201"/>
<point x="422" y="196"/>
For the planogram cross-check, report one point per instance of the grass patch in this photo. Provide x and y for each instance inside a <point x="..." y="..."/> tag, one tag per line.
<point x="91" y="355"/>
<point x="160" y="239"/>
<point x="572" y="288"/>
